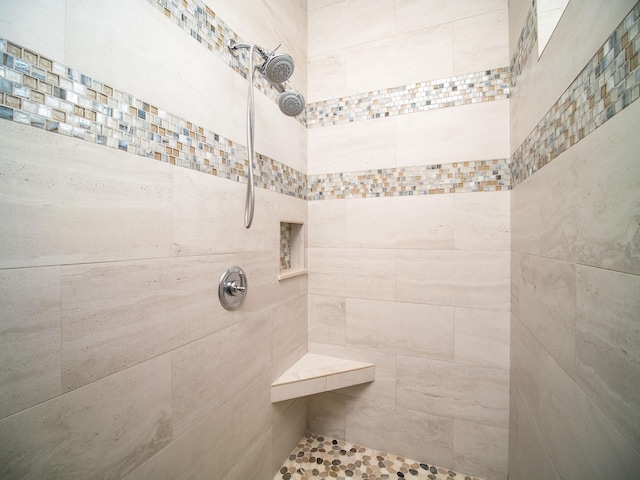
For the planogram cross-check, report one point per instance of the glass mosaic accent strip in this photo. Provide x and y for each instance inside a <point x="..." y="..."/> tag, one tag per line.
<point x="285" y="246"/>
<point x="318" y="457"/>
<point x="196" y="19"/>
<point x="40" y="92"/>
<point x="609" y="83"/>
<point x="476" y="87"/>
<point x="526" y="42"/>
<point x="460" y="177"/>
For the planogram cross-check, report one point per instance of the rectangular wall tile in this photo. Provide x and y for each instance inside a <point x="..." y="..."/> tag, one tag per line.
<point x="327" y="319"/>
<point x="482" y="337"/>
<point x="472" y="393"/>
<point x="482" y="222"/>
<point x="461" y="278"/>
<point x="480" y="449"/>
<point x="403" y="328"/>
<point x="480" y="42"/>
<point x="29" y="337"/>
<point x="210" y="371"/>
<point x="131" y="200"/>
<point x="103" y="430"/>
<point x="327" y="415"/>
<point x="289" y="335"/>
<point x="109" y="309"/>
<point x="608" y="345"/>
<point x="393" y="429"/>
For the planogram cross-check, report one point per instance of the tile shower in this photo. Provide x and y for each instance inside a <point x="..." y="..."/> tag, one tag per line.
<point x="433" y="248"/>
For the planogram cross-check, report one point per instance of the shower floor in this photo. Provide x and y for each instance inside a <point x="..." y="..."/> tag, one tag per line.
<point x="324" y="457"/>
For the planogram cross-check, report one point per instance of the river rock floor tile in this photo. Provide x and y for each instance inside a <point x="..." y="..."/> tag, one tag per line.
<point x="319" y="456"/>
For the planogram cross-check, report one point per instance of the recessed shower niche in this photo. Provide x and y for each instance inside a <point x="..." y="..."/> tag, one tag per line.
<point x="292" y="251"/>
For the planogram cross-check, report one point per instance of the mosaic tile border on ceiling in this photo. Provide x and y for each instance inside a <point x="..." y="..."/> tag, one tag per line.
<point x="485" y="86"/>
<point x="203" y="25"/>
<point x="42" y="93"/>
<point x="609" y="83"/>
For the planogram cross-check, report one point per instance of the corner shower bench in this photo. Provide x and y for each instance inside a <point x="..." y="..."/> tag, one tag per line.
<point x="315" y="373"/>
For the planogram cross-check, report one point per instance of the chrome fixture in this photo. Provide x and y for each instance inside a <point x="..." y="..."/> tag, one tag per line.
<point x="232" y="288"/>
<point x="277" y="68"/>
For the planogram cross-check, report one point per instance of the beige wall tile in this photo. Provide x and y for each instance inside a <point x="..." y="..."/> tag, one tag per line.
<point x="362" y="273"/>
<point x="327" y="319"/>
<point x="415" y="14"/>
<point x="526" y="358"/>
<point x="206" y="450"/>
<point x="327" y="415"/>
<point x="109" y="310"/>
<point x="257" y="461"/>
<point x="29" y="337"/>
<point x="569" y="414"/>
<point x="404" y="431"/>
<point x="327" y="223"/>
<point x="96" y="205"/>
<point x="352" y="146"/>
<point x="482" y="221"/>
<point x="252" y="415"/>
<point x="608" y="346"/>
<point x="210" y="371"/>
<point x="448" y="277"/>
<point x="288" y="429"/>
<point x="547" y="306"/>
<point x="525" y="216"/>
<point x="480" y="131"/>
<point x="480" y="449"/>
<point x="402" y="328"/>
<point x="327" y="76"/>
<point x="289" y="335"/>
<point x="482" y="337"/>
<point x="421" y="221"/>
<point x="107" y="428"/>
<point x="480" y="42"/>
<point x="472" y="393"/>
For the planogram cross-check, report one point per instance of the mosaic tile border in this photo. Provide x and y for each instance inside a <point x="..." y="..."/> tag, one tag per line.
<point x="458" y="177"/>
<point x="526" y="42"/>
<point x="485" y="86"/>
<point x="203" y="25"/>
<point x="609" y="83"/>
<point x="317" y="457"/>
<point x="42" y="93"/>
<point x="285" y="246"/>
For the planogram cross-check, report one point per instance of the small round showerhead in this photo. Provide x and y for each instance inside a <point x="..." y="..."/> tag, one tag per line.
<point x="279" y="68"/>
<point x="291" y="103"/>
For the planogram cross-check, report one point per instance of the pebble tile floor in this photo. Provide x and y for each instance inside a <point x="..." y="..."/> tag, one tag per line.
<point x="324" y="457"/>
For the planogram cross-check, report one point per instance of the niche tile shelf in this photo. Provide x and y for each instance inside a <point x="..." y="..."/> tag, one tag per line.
<point x="292" y="246"/>
<point x="315" y="373"/>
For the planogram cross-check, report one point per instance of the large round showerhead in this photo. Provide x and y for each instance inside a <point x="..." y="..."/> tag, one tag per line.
<point x="291" y="103"/>
<point x="279" y="68"/>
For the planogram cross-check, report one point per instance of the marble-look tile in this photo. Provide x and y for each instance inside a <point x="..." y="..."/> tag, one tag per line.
<point x="327" y="319"/>
<point x="466" y="392"/>
<point x="287" y="431"/>
<point x="404" y="431"/>
<point x="353" y="146"/>
<point x="210" y="371"/>
<point x="38" y="25"/>
<point x="327" y="223"/>
<point x="327" y="76"/>
<point x="602" y="452"/>
<point x="608" y="345"/>
<point x="103" y="430"/>
<point x="289" y="335"/>
<point x="298" y="389"/>
<point x="109" y="309"/>
<point x="252" y="414"/>
<point x="29" y="337"/>
<point x="421" y="221"/>
<point x="402" y="328"/>
<point x="256" y="462"/>
<point x="327" y="415"/>
<point x="49" y="214"/>
<point x="388" y="62"/>
<point x="424" y="138"/>
<point x="383" y="388"/>
<point x="480" y="449"/>
<point x="526" y="223"/>
<point x="415" y="14"/>
<point x="481" y="42"/>
<point x="205" y="451"/>
<point x="344" y="24"/>
<point x="526" y="358"/>
<point x="363" y="273"/>
<point x="528" y="456"/>
<point x="547" y="306"/>
<point x="454" y="277"/>
<point x="482" y="221"/>
<point x="481" y="338"/>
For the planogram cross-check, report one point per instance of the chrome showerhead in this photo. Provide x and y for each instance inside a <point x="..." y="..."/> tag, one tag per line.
<point x="291" y="103"/>
<point x="278" y="68"/>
